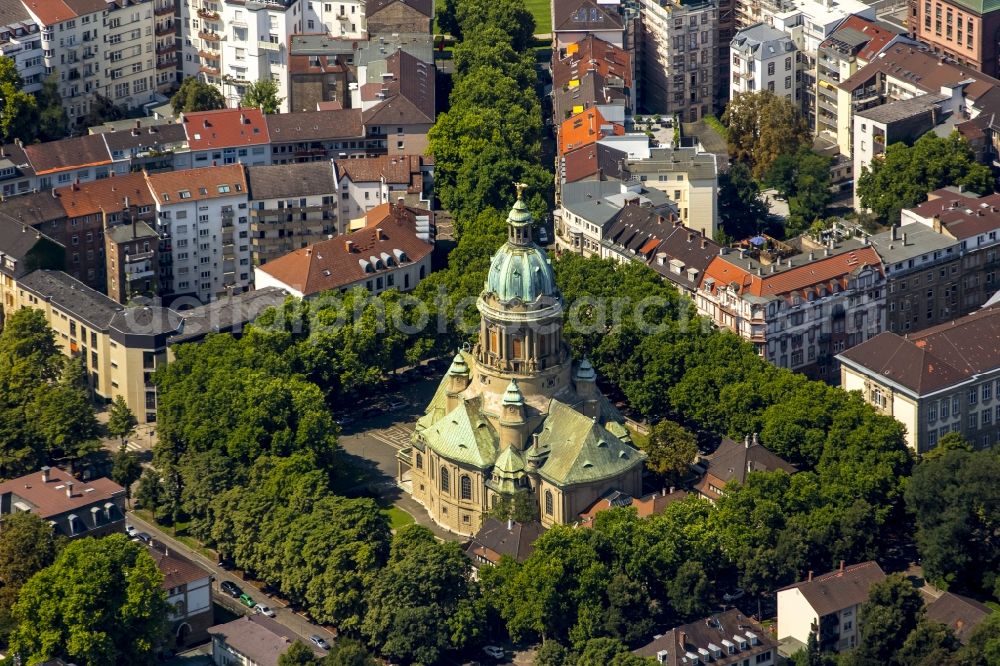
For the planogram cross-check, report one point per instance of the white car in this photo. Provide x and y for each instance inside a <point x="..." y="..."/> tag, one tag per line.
<point x="130" y="530"/>
<point x="494" y="652"/>
<point x="263" y="610"/>
<point x="734" y="595"/>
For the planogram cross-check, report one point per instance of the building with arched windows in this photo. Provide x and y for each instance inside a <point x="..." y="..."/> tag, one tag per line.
<point x="515" y="417"/>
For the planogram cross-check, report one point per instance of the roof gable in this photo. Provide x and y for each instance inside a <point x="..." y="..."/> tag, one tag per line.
<point x="584" y="16"/>
<point x="839" y="589"/>
<point x="223" y="128"/>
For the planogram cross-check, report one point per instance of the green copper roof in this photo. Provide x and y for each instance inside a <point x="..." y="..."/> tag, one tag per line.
<point x="509" y="462"/>
<point x="980" y="6"/>
<point x="512" y="396"/>
<point x="464" y="435"/>
<point x="585" y="371"/>
<point x="581" y="450"/>
<point x="521" y="272"/>
<point x="519" y="214"/>
<point x="458" y="365"/>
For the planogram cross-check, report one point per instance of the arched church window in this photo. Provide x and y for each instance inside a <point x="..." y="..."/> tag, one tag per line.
<point x="445" y="480"/>
<point x="548" y="502"/>
<point x="466" y="484"/>
<point x="420" y="461"/>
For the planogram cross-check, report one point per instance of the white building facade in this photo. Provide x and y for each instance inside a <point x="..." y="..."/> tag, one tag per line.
<point x="764" y="58"/>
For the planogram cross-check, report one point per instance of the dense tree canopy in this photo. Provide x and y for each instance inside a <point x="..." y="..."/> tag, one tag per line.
<point x="904" y="175"/>
<point x="263" y="94"/>
<point x="101" y="603"/>
<point x="804" y="179"/>
<point x="195" y="95"/>
<point x="761" y="126"/>
<point x="28" y="546"/>
<point x="18" y="109"/>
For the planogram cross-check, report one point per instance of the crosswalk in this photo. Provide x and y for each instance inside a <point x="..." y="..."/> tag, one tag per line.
<point x="133" y="446"/>
<point x="397" y="436"/>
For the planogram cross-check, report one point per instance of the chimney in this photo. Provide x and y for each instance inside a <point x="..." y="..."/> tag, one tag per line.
<point x="842" y="566"/>
<point x="826" y="251"/>
<point x="309" y="251"/>
<point x="810" y="579"/>
<point x="672" y="489"/>
<point x="69" y="489"/>
<point x="812" y="256"/>
<point x="904" y="240"/>
<point x="892" y="232"/>
<point x="510" y="524"/>
<point x="754" y="441"/>
<point x="682" y="638"/>
<point x="349" y="246"/>
<point x="204" y="123"/>
<point x="379" y="235"/>
<point x="45" y="473"/>
<point x="663" y="493"/>
<point x="243" y="119"/>
<point x="400" y="201"/>
<point x="704" y="243"/>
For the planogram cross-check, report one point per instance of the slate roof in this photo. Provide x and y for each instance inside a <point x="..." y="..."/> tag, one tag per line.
<point x="760" y="35"/>
<point x="425" y="7"/>
<point x="935" y="358"/>
<point x="711" y="632"/>
<point x="496" y="539"/>
<point x="589" y="90"/>
<point x="314" y="125"/>
<point x="225" y="128"/>
<point x="394" y="169"/>
<point x="920" y="239"/>
<point x="839" y="589"/>
<point x="17" y="241"/>
<point x="227" y="314"/>
<point x="258" y="638"/>
<point x="874" y="37"/>
<point x="177" y="570"/>
<point x="599" y="202"/>
<point x="584" y="16"/>
<point x="66" y="154"/>
<point x="960" y="614"/>
<point x="592" y="160"/>
<point x="732" y="461"/>
<point x="410" y="93"/>
<point x="49" y="499"/>
<point x="592" y="54"/>
<point x="107" y="194"/>
<point x="13" y="11"/>
<point x="577" y="449"/>
<point x="688" y="249"/>
<point x="73" y="296"/>
<point x="287" y="181"/>
<point x="161" y="135"/>
<point x="330" y="265"/>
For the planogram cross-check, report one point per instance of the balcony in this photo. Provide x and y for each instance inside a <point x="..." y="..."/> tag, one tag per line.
<point x="164" y="29"/>
<point x="205" y="69"/>
<point x="169" y="63"/>
<point x="163" y="10"/>
<point x="268" y="46"/>
<point x="208" y="15"/>
<point x="163" y="49"/>
<point x="139" y="275"/>
<point x="139" y="256"/>
<point x="210" y="36"/>
<point x="864" y="95"/>
<point x="213" y="54"/>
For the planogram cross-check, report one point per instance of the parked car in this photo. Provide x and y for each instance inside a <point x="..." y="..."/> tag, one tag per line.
<point x="247" y="601"/>
<point x="144" y="537"/>
<point x="494" y="652"/>
<point x="345" y="420"/>
<point x="319" y="642"/>
<point x="263" y="610"/>
<point x="398" y="404"/>
<point x="232" y="589"/>
<point x="130" y="530"/>
<point x="734" y="595"/>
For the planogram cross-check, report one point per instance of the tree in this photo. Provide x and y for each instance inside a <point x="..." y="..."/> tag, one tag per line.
<point x="552" y="653"/>
<point x="894" y="609"/>
<point x="956" y="502"/>
<point x="195" y="95"/>
<point x="101" y="602"/>
<point x="903" y="175"/>
<point x="929" y="644"/>
<point x="349" y="652"/>
<point x="671" y="449"/>
<point x="263" y="94"/>
<point x="121" y="420"/>
<point x="18" y="109"/>
<point x="63" y="414"/>
<point x="760" y="126"/>
<point x="28" y="546"/>
<point x="983" y="647"/>
<point x="298" y="654"/>
<point x="149" y="494"/>
<point x="804" y="179"/>
<point x="103" y="110"/>
<point x="125" y="469"/>
<point x="742" y="211"/>
<point x="952" y="441"/>
<point x="53" y="122"/>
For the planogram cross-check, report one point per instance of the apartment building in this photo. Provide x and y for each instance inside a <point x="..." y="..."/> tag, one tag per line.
<point x="852" y="46"/>
<point x="22" y="250"/>
<point x="130" y="76"/>
<point x="225" y="136"/>
<point x="234" y="44"/>
<point x="797" y="309"/>
<point x="293" y="206"/>
<point x="167" y="41"/>
<point x="343" y="19"/>
<point x="121" y="347"/>
<point x="72" y="507"/>
<point x="319" y="67"/>
<point x="366" y="183"/>
<point x="396" y="96"/>
<point x="575" y="20"/>
<point x="678" y="62"/>
<point x="21" y="40"/>
<point x="614" y="67"/>
<point x="961" y="29"/>
<point x="589" y="209"/>
<point x="764" y="58"/>
<point x="387" y="17"/>
<point x="688" y="177"/>
<point x="204" y="226"/>
<point x="728" y="639"/>
<point x="308" y="136"/>
<point x="132" y="256"/>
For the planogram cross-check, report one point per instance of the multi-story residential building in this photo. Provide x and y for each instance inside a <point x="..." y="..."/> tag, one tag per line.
<point x="139" y="145"/>
<point x="127" y="49"/>
<point x="764" y="58"/>
<point x="318" y="72"/>
<point x="590" y="90"/>
<point x="238" y="43"/>
<point x="132" y="255"/>
<point x="678" y="63"/>
<point x="24" y="246"/>
<point x="923" y="276"/>
<point x="20" y="39"/>
<point x="592" y="54"/>
<point x="961" y="29"/>
<point x="293" y="206"/>
<point x="940" y="380"/>
<point x="372" y="181"/>
<point x="728" y="639"/>
<point x="308" y="136"/>
<point x="681" y="256"/>
<point x="72" y="507"/>
<point x="393" y="251"/>
<point x="732" y="461"/>
<point x="76" y="159"/>
<point x="589" y="208"/>
<point x="827" y="606"/>
<point x="167" y="39"/>
<point x="252" y="640"/>
<point x="342" y="19"/>
<point x="203" y="222"/>
<point x="797" y="310"/>
<point x="225" y="136"/>
<point x="496" y="539"/>
<point x="229" y="314"/>
<point x="852" y="46"/>
<point x="387" y="17"/>
<point x="120" y="346"/>
<point x="189" y="597"/>
<point x="689" y="178"/>
<point x="396" y="97"/>
<point x="585" y="129"/>
<point x="575" y="20"/>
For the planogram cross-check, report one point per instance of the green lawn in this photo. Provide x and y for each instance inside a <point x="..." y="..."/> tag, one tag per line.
<point x="397" y="517"/>
<point x="542" y="13"/>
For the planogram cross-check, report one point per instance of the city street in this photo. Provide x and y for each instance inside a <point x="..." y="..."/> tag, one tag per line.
<point x="298" y="626"/>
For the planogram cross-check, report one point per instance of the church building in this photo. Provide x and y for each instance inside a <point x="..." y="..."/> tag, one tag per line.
<point x="515" y="414"/>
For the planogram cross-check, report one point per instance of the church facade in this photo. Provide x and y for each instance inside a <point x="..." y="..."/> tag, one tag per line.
<point x="516" y="415"/>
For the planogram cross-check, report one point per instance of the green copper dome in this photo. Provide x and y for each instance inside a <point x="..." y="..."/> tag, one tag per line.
<point x="520" y="269"/>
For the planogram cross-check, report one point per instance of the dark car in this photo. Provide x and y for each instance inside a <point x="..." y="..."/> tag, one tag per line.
<point x="232" y="589"/>
<point x="144" y="537"/>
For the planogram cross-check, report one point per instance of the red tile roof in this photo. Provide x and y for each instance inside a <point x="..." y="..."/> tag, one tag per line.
<point x="878" y="36"/>
<point x="331" y="264"/>
<point x="645" y="506"/>
<point x="107" y="194"/>
<point x="167" y="187"/>
<point x="50" y="12"/>
<point x="585" y="128"/>
<point x="961" y="214"/>
<point x="821" y="272"/>
<point x="592" y="53"/>
<point x="50" y="499"/>
<point x="225" y="128"/>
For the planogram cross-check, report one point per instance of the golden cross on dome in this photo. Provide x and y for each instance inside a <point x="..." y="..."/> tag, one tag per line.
<point x="520" y="187"/>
